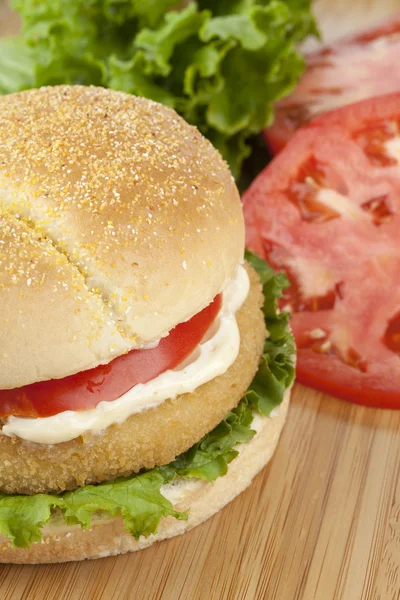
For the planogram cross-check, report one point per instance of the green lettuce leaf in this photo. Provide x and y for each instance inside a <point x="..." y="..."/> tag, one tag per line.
<point x="221" y="65"/>
<point x="138" y="499"/>
<point x="22" y="517"/>
<point x="277" y="371"/>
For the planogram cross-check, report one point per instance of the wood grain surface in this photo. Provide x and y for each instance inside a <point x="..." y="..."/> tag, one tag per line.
<point x="321" y="522"/>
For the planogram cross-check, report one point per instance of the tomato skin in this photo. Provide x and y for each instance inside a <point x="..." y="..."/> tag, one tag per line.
<point x="349" y="70"/>
<point x="344" y="266"/>
<point x="363" y="397"/>
<point x="86" y="389"/>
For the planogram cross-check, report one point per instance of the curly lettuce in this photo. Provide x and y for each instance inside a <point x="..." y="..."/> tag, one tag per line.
<point x="221" y="65"/>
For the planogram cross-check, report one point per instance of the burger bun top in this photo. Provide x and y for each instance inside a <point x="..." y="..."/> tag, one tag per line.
<point x="118" y="221"/>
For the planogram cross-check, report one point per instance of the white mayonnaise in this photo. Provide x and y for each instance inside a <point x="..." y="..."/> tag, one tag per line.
<point x="212" y="357"/>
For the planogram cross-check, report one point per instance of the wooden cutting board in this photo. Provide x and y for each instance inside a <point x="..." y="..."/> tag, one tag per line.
<point x="321" y="522"/>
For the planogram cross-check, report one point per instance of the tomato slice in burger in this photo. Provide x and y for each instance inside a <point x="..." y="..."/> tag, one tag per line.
<point x="108" y="382"/>
<point x="327" y="211"/>
<point x="347" y="71"/>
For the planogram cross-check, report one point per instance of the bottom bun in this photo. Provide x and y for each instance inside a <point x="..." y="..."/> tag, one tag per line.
<point x="107" y="536"/>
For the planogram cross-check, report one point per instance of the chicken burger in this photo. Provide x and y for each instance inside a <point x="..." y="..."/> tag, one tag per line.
<point x="144" y="367"/>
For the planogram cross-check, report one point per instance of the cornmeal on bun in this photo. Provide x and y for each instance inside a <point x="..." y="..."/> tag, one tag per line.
<point x="131" y="328"/>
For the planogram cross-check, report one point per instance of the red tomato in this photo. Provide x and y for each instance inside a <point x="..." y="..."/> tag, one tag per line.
<point x="347" y="71"/>
<point x="108" y="382"/>
<point x="327" y="211"/>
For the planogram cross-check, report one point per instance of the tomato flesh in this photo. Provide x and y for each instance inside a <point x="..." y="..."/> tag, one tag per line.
<point x="361" y="67"/>
<point x="108" y="382"/>
<point x="327" y="211"/>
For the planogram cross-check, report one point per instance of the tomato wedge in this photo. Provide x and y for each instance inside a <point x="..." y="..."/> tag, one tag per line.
<point x="327" y="211"/>
<point x="351" y="69"/>
<point x="108" y="382"/>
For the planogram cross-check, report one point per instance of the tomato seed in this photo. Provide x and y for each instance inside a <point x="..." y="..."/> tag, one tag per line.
<point x="378" y="209"/>
<point x="392" y="334"/>
<point x="326" y="346"/>
<point x="372" y="139"/>
<point x="354" y="359"/>
<point x="303" y="192"/>
<point x="317" y="334"/>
